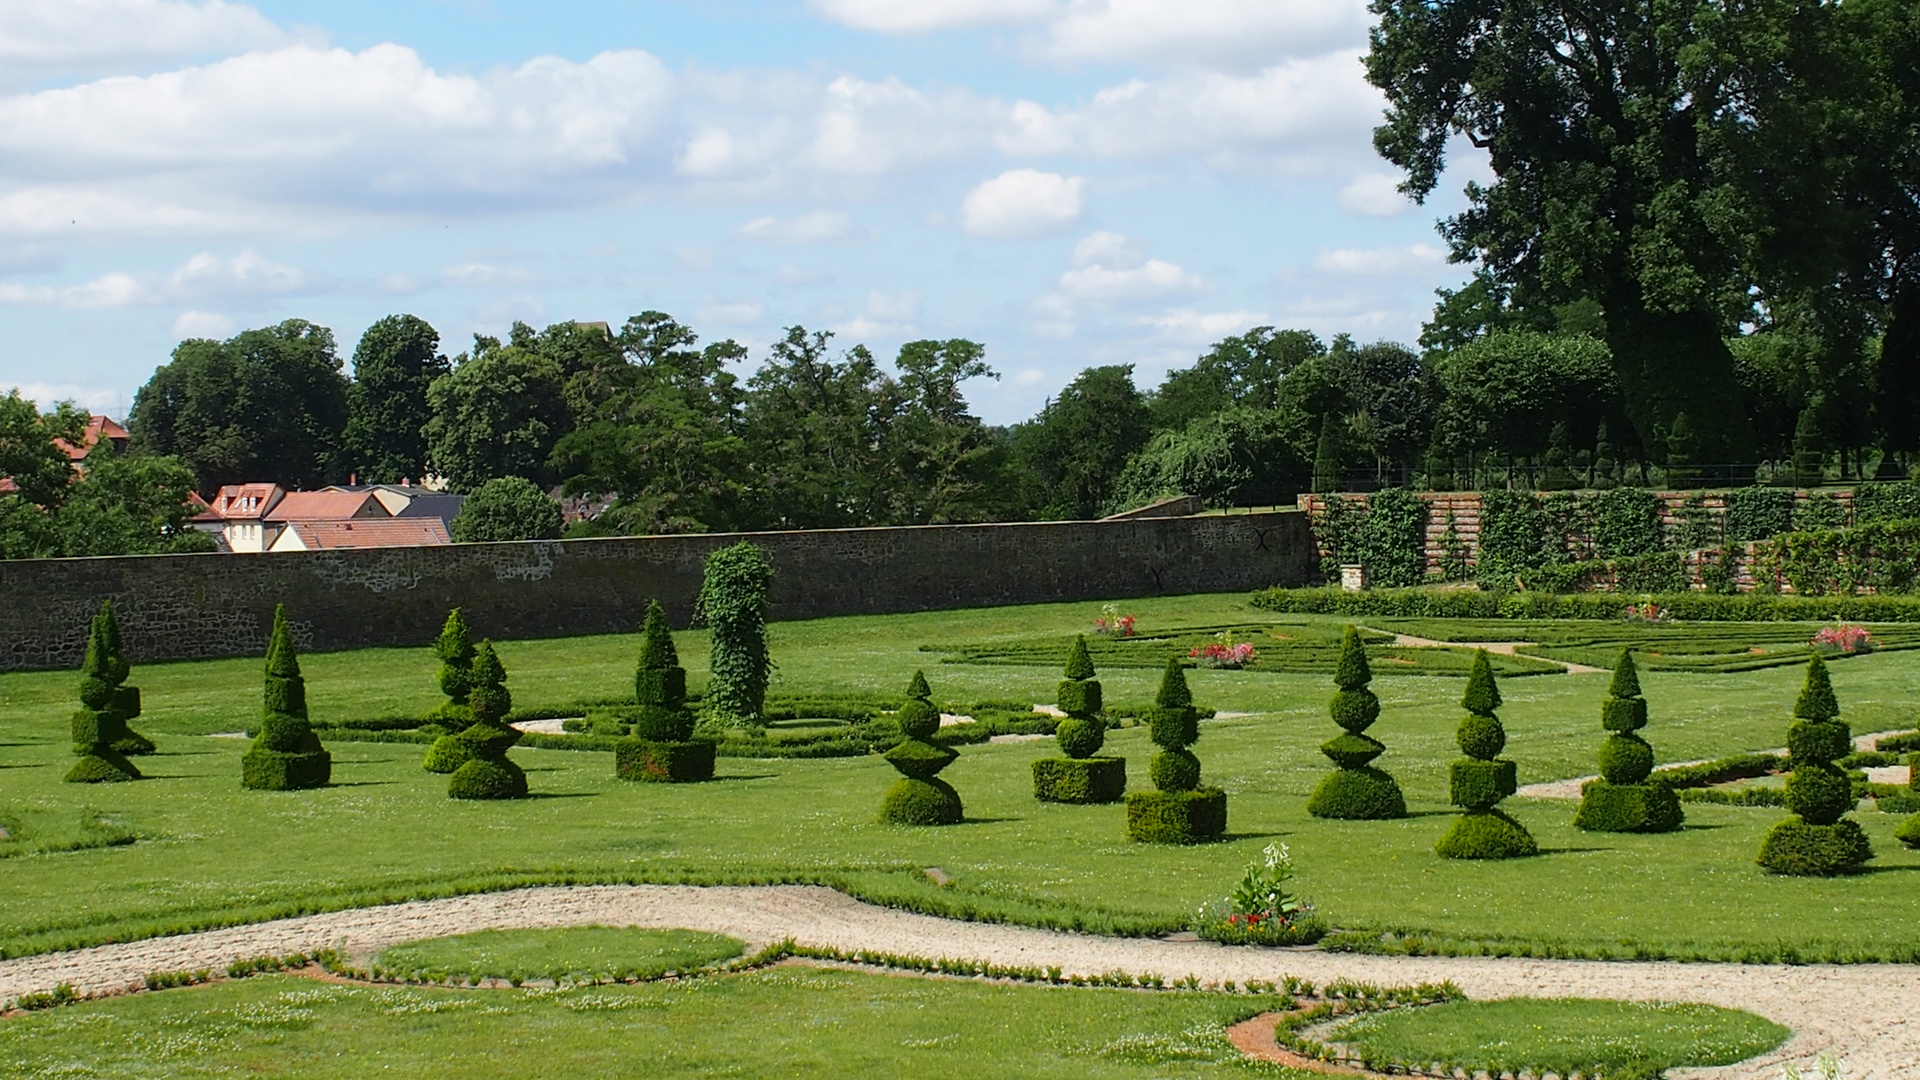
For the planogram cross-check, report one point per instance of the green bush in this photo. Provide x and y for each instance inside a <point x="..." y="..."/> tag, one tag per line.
<point x="1758" y="513"/>
<point x="445" y="755"/>
<point x="1899" y="743"/>
<point x="1080" y="780"/>
<point x="1479" y="782"/>
<point x="1876" y="503"/>
<point x="286" y="755"/>
<point x="1625" y="759"/>
<point x="488" y="773"/>
<point x="1393" y="538"/>
<point x="101" y="722"/>
<point x="663" y="762"/>
<point x="1820" y="841"/>
<point x="1626" y="523"/>
<point x="921" y="802"/>
<point x="1897" y="804"/>
<point x="1840" y="562"/>
<point x="920" y="798"/>
<point x="506" y="508"/>
<point x="1176" y="817"/>
<point x="1720" y="771"/>
<point x="126" y="699"/>
<point x="1656" y="572"/>
<point x="733" y="603"/>
<point x="1909" y="832"/>
<point x="1628" y="808"/>
<point x="1515" y="535"/>
<point x="1753" y="796"/>
<point x="1608" y="607"/>
<point x="454" y="647"/>
<point x="1355" y="790"/>
<point x="1080" y="736"/>
<point x="661" y="748"/>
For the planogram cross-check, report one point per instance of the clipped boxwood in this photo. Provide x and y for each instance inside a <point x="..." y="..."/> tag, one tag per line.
<point x="1481" y="780"/>
<point x="1356" y="790"/>
<point x="1623" y="800"/>
<point x="488" y="773"/>
<point x="1177" y="817"/>
<point x="101" y="721"/>
<point x="286" y="755"/>
<point x="662" y="748"/>
<point x="1080" y="780"/>
<point x="920" y="797"/>
<point x="1819" y="841"/>
<point x="1081" y="776"/>
<point x="1181" y="811"/>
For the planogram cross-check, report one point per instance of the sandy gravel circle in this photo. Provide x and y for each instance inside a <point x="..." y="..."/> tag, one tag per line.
<point x="1866" y="1014"/>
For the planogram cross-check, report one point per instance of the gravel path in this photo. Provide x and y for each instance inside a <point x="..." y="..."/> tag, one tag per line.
<point x="1503" y="648"/>
<point x="1869" y="1014"/>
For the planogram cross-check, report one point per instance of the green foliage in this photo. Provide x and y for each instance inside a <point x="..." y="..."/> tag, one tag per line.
<point x="30" y="454"/>
<point x="1486" y="604"/>
<point x="1080" y="738"/>
<point x="913" y="801"/>
<point x="1393" y="538"/>
<point x="1176" y="817"/>
<point x="1909" y="832"/>
<point x="920" y="799"/>
<point x="487" y="778"/>
<point x="1514" y="534"/>
<point x="1173" y="692"/>
<point x="1482" y="696"/>
<point x="395" y="363"/>
<point x="1174" y="770"/>
<point x="1819" y="842"/>
<point x="1759" y="513"/>
<point x="1820" y="512"/>
<point x="1486" y="834"/>
<point x="1816" y="701"/>
<point x="1625" y="684"/>
<point x="664" y="761"/>
<point x="1360" y="793"/>
<point x="1875" y="504"/>
<point x="489" y="697"/>
<point x="1622" y="800"/>
<point x="1839" y="562"/>
<point x="445" y="755"/>
<point x="286" y="755"/>
<point x="1625" y="759"/>
<point x="128" y="505"/>
<point x="1079" y="664"/>
<point x="1080" y="780"/>
<point x="1627" y="523"/>
<point x="1352" y="672"/>
<point x="733" y="603"/>
<point x="497" y="414"/>
<point x="487" y="772"/>
<point x="1800" y="849"/>
<point x="506" y="508"/>
<point x="1479" y="782"/>
<point x="101" y="738"/>
<point x="1237" y="457"/>
<point x="1628" y="808"/>
<point x="1479" y="785"/>
<point x="455" y="650"/>
<point x="1356" y="790"/>
<point x="1074" y="450"/>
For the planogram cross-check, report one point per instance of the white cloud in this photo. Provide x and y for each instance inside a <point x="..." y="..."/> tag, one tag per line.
<point x="917" y="16"/>
<point x="203" y="276"/>
<point x="1023" y="203"/>
<point x="1379" y="262"/>
<point x="819" y="227"/>
<point x="741" y="313"/>
<point x="41" y="37"/>
<point x="789" y="274"/>
<point x="1201" y="327"/>
<point x="893" y="307"/>
<point x="1029" y="377"/>
<point x="483" y="275"/>
<point x="1110" y="268"/>
<point x="1236" y="34"/>
<point x="1373" y="194"/>
<point x="202" y="324"/>
<point x="98" y="399"/>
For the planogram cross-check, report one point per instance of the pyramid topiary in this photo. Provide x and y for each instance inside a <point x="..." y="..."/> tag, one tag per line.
<point x="1482" y="778"/>
<point x="286" y="755"/>
<point x="131" y="743"/>
<point x="1622" y="800"/>
<point x="488" y="773"/>
<point x="1820" y="841"/>
<point x="662" y="747"/>
<point x="1356" y="790"/>
<point x="920" y="797"/>
<point x="1181" y="811"/>
<point x="455" y="650"/>
<point x="105" y="706"/>
<point x="1080" y="777"/>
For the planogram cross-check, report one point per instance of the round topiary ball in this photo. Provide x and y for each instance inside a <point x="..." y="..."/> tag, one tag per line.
<point x="1080" y="738"/>
<point x="1175" y="770"/>
<point x="918" y="719"/>
<point x="481" y="778"/>
<point x="446" y="754"/>
<point x="921" y="802"/>
<point x="1625" y="759"/>
<point x="1820" y="794"/>
<point x="1482" y="737"/>
<point x="1355" y="710"/>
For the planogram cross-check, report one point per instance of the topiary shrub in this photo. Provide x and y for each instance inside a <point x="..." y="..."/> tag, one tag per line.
<point x="1622" y="800"/>
<point x="1181" y="811"/>
<point x="1820" y="841"/>
<point x="1483" y="778"/>
<point x="105" y="705"/>
<point x="455" y="650"/>
<point x="662" y="747"/>
<point x="130" y="743"/>
<point x="733" y="602"/>
<point x="1357" y="791"/>
<point x="286" y="755"/>
<point x="488" y="773"/>
<point x="1080" y="777"/>
<point x="920" y="797"/>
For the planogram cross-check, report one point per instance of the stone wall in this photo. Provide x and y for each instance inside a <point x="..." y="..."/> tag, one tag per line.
<point x="183" y="606"/>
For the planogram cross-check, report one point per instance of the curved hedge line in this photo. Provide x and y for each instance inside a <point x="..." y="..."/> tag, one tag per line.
<point x="1692" y="606"/>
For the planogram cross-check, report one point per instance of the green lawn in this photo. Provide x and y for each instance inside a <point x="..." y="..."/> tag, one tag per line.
<point x="570" y="954"/>
<point x="209" y="852"/>
<point x="788" y="1021"/>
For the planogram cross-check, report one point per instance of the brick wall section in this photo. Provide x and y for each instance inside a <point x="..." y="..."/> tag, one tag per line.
<point x="185" y="606"/>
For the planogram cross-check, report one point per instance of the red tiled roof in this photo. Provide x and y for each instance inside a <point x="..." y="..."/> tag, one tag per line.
<point x="98" y="427"/>
<point x="370" y="533"/>
<point x="242" y="502"/>
<point x="326" y="506"/>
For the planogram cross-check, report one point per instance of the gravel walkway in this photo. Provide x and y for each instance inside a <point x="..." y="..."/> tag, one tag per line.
<point x="1869" y="1015"/>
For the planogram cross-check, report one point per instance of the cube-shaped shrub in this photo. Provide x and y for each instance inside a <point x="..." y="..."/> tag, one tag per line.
<point x="1628" y="808"/>
<point x="1177" y="817"/>
<point x="664" y="762"/>
<point x="1478" y="785"/>
<point x="1080" y="780"/>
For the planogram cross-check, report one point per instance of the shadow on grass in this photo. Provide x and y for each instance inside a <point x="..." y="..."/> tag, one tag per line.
<point x="1227" y="838"/>
<point x="27" y="765"/>
<point x="1574" y="850"/>
<point x="363" y="783"/>
<point x="987" y="820"/>
<point x="1691" y="827"/>
<point x="1911" y="868"/>
<point x="742" y="776"/>
<point x="562" y="794"/>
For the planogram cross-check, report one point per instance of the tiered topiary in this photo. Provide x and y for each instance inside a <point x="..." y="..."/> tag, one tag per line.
<point x="488" y="773"/>
<point x="105" y="706"/>
<point x="1080" y="777"/>
<point x="1821" y="841"/>
<point x="130" y="743"/>
<point x="1622" y="800"/>
<point x="1909" y="831"/>
<point x="662" y="747"/>
<point x="920" y="797"/>
<point x="455" y="650"/>
<point x="286" y="755"/>
<point x="1482" y="778"/>
<point x="1181" y="812"/>
<point x="1357" y="791"/>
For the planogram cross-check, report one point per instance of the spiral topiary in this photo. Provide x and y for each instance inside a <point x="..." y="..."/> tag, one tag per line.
<point x="920" y="797"/>
<point x="662" y="747"/>
<point x="130" y="743"/>
<point x="455" y="650"/>
<point x="488" y="773"/>
<point x="1819" y="841"/>
<point x="1482" y="778"/>
<point x="1080" y="776"/>
<point x="286" y="755"/>
<point x="1622" y="800"/>
<point x="105" y="706"/>
<point x="1356" y="791"/>
<point x="1181" y="811"/>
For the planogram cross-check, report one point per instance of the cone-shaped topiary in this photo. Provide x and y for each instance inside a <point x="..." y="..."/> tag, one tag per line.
<point x="104" y="708"/>
<point x="662" y="747"/>
<point x="1622" y="800"/>
<point x="1181" y="811"/>
<point x="488" y="773"/>
<point x="455" y="650"/>
<point x="1820" y="841"/>
<point x="1356" y="790"/>
<point x="1080" y="777"/>
<point x="286" y="755"/>
<point x="920" y="797"/>
<point x="130" y="743"/>
<point x="1482" y="778"/>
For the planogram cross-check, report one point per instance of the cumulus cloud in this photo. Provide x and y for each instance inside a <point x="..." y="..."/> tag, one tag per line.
<point x="1200" y="327"/>
<point x="1023" y="203"/>
<point x="476" y="275"/>
<point x="918" y="16"/>
<point x="1242" y="35"/>
<point x="202" y="324"/>
<point x="1110" y="268"/>
<point x="43" y="37"/>
<point x="203" y="276"/>
<point x="1373" y="194"/>
<point x="736" y="313"/>
<point x="1379" y="262"/>
<point x="92" y="398"/>
<point x="819" y="227"/>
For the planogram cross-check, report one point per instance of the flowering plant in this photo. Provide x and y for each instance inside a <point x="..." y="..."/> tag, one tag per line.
<point x="1112" y="623"/>
<point x="1648" y="612"/>
<point x="1260" y="910"/>
<point x="1225" y="653"/>
<point x="1843" y="639"/>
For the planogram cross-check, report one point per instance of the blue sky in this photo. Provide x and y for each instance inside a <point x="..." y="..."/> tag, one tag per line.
<point x="1070" y="182"/>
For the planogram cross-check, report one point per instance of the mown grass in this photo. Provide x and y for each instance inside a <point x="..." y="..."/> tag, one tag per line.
<point x="791" y="1022"/>
<point x="210" y="853"/>
<point x="1559" y="1035"/>
<point x="567" y="954"/>
<point x="1679" y="647"/>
